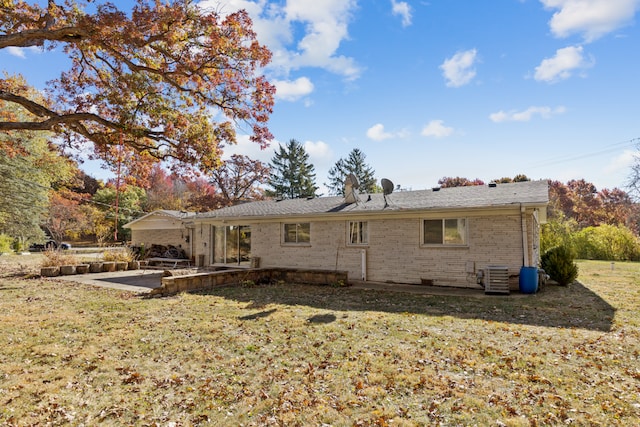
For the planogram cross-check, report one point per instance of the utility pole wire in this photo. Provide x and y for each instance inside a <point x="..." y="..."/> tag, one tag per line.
<point x="613" y="147"/>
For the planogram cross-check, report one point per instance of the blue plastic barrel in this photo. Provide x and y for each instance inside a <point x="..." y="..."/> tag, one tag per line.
<point x="528" y="280"/>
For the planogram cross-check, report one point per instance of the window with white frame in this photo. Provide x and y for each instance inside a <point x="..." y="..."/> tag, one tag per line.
<point x="446" y="231"/>
<point x="358" y="233"/>
<point x="298" y="233"/>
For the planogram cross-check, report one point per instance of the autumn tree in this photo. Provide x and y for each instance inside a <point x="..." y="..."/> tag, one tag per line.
<point x="202" y="195"/>
<point x="130" y="202"/>
<point x="166" y="80"/>
<point x="292" y="176"/>
<point x="239" y="178"/>
<point x="173" y="192"/>
<point x="507" y="180"/>
<point x="164" y="191"/>
<point x="95" y="223"/>
<point x="596" y="224"/>
<point x="354" y="164"/>
<point x="586" y="204"/>
<point x="85" y="184"/>
<point x="446" y="182"/>
<point x="617" y="207"/>
<point x="64" y="216"/>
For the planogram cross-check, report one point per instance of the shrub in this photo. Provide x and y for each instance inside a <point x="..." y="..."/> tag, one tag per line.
<point x="18" y="245"/>
<point x="118" y="255"/>
<point x="5" y="243"/>
<point x="559" y="264"/>
<point x="54" y="258"/>
<point x="607" y="242"/>
<point x="557" y="232"/>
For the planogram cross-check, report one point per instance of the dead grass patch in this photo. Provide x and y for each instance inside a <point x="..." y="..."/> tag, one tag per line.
<point x="305" y="355"/>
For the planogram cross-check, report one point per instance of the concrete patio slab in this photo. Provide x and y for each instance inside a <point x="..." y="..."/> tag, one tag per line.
<point x="143" y="281"/>
<point x="140" y="281"/>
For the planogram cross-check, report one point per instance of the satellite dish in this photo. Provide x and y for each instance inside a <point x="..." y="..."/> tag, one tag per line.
<point x="387" y="188"/>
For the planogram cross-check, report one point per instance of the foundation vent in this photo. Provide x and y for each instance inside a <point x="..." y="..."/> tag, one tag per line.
<point x="496" y="280"/>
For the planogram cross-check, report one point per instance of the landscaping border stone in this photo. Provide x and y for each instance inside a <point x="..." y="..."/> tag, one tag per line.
<point x="198" y="281"/>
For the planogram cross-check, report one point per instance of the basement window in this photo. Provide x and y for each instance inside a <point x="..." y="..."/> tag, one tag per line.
<point x="446" y="232"/>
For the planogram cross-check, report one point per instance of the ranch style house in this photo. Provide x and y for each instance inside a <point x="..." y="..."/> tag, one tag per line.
<point x="440" y="236"/>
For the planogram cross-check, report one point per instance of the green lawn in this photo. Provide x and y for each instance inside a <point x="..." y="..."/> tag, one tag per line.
<point x="306" y="355"/>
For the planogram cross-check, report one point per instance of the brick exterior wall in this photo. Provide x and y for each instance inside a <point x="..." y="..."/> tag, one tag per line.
<point x="394" y="253"/>
<point x="161" y="229"/>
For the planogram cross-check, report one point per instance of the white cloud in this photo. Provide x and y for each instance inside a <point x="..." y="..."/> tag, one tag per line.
<point x="437" y="129"/>
<point x="250" y="149"/>
<point x="622" y="162"/>
<point x="402" y="9"/>
<point x="293" y="90"/>
<point x="377" y="133"/>
<point x="526" y="115"/>
<point x="320" y="153"/>
<point x="458" y="70"/>
<point x="324" y="26"/>
<point x="562" y="65"/>
<point x="591" y="18"/>
<point x="21" y="52"/>
<point x="16" y="51"/>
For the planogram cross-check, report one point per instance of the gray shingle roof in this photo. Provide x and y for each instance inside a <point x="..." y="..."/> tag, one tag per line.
<point x="502" y="195"/>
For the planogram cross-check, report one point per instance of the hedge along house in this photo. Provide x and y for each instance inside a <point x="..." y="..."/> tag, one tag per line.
<point x="441" y="236"/>
<point x="162" y="227"/>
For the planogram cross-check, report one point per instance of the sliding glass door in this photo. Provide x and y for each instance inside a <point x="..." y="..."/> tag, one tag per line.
<point x="231" y="244"/>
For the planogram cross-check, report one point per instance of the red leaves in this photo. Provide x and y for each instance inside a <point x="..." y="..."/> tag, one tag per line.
<point x="160" y="77"/>
<point x="130" y="376"/>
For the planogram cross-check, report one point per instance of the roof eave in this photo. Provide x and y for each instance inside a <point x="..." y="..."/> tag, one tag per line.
<point x="367" y="214"/>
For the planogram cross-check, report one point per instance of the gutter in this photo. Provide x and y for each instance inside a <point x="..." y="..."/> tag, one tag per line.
<point x="525" y="240"/>
<point x="366" y="214"/>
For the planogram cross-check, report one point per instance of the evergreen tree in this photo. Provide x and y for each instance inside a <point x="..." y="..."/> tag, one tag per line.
<point x="292" y="176"/>
<point x="24" y="198"/>
<point x="29" y="167"/>
<point x="353" y="164"/>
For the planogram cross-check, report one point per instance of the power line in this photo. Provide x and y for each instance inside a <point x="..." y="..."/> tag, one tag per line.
<point x="611" y="148"/>
<point x="95" y="202"/>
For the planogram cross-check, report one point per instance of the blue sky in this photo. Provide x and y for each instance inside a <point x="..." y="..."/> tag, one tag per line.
<point x="426" y="89"/>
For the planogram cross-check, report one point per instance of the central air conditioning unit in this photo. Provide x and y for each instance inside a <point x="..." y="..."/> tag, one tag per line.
<point x="496" y="280"/>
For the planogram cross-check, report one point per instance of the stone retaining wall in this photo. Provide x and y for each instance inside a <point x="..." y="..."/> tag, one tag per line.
<point x="209" y="280"/>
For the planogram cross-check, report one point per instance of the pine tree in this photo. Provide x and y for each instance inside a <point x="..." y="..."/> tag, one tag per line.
<point x="29" y="167"/>
<point x="292" y="176"/>
<point x="353" y="164"/>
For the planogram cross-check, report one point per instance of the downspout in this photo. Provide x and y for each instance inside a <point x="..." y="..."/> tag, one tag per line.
<point x="525" y="240"/>
<point x="364" y="264"/>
